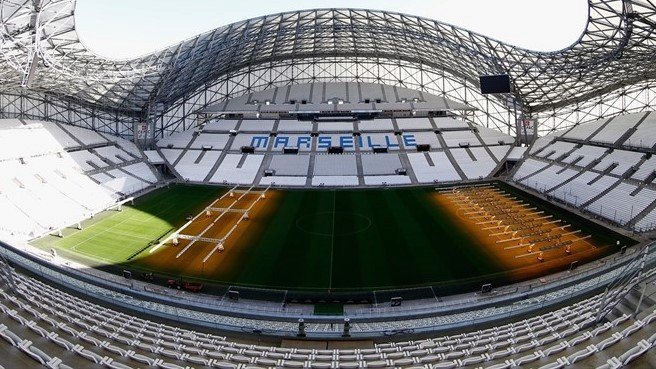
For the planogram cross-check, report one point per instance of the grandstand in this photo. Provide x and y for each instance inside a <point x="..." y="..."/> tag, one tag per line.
<point x="79" y="173"/>
<point x="345" y="196"/>
<point x="597" y="169"/>
<point x="213" y="152"/>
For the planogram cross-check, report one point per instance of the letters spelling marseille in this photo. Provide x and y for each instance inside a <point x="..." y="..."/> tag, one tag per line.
<point x="324" y="142"/>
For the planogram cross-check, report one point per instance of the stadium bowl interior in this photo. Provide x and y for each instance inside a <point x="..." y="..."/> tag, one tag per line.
<point x="246" y="200"/>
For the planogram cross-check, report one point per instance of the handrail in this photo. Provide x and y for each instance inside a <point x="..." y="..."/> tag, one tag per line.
<point x="226" y="315"/>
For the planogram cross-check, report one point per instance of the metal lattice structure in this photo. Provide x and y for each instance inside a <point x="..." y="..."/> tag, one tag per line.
<point x="47" y="73"/>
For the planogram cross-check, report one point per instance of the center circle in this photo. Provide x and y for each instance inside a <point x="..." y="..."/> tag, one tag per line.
<point x="331" y="223"/>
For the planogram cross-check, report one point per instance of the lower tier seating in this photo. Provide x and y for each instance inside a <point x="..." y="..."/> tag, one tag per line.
<point x="68" y="331"/>
<point x="362" y="153"/>
<point x="76" y="172"/>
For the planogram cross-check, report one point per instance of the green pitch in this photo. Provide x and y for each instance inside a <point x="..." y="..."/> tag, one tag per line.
<point x="309" y="240"/>
<point x="366" y="239"/>
<point x="115" y="237"/>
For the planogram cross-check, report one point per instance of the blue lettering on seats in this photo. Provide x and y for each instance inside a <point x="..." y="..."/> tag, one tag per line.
<point x="346" y="141"/>
<point x="260" y="141"/>
<point x="324" y="142"/>
<point x="409" y="141"/>
<point x="281" y="140"/>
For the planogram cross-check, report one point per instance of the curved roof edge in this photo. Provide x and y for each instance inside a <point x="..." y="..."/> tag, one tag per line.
<point x="42" y="52"/>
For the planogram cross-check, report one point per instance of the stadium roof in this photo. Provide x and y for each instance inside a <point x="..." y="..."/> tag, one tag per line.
<point x="41" y="51"/>
<point x="325" y="98"/>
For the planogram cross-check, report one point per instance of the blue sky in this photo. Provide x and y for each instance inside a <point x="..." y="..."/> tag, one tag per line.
<point x="128" y="28"/>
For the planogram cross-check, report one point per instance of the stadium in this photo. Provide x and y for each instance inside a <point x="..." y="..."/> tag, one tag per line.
<point x="328" y="188"/>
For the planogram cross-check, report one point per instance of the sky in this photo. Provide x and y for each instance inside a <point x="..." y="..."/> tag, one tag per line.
<point x="128" y="28"/>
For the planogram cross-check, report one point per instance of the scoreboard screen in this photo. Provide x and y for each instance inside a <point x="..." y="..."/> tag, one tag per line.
<point x="495" y="84"/>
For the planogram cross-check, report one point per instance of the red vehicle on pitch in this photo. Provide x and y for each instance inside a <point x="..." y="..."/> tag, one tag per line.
<point x="182" y="285"/>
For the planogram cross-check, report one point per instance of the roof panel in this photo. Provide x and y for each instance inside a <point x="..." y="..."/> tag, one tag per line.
<point x="616" y="48"/>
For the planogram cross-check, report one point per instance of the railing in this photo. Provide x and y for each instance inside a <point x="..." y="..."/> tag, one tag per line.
<point x="281" y="320"/>
<point x="627" y="278"/>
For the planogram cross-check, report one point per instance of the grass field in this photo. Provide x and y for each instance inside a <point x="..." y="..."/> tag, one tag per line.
<point x="302" y="240"/>
<point x="116" y="237"/>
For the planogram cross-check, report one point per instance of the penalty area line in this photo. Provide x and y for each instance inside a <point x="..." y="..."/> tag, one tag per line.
<point x="167" y="239"/>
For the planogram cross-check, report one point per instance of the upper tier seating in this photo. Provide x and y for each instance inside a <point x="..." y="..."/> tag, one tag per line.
<point x="209" y="140"/>
<point x="515" y="154"/>
<point x="294" y="126"/>
<point x="335" y="126"/>
<point x="299" y="93"/>
<point x="414" y="123"/>
<point x="448" y="123"/>
<point x="584" y="155"/>
<point x="542" y="142"/>
<point x="376" y="125"/>
<point x="14" y="142"/>
<point x="223" y="125"/>
<point x="261" y="125"/>
<point x="458" y="138"/>
<point x="645" y="134"/>
<point x="584" y="131"/>
<point x="593" y="167"/>
<point x="10" y="123"/>
<point x="335" y="97"/>
<point x="617" y="127"/>
<point x="126" y="146"/>
<point x="621" y="160"/>
<point x="112" y="154"/>
<point x="494" y="137"/>
<point x="86" y="136"/>
<point x="176" y="141"/>
<point x="171" y="155"/>
<point x="500" y="152"/>
<point x="556" y="150"/>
